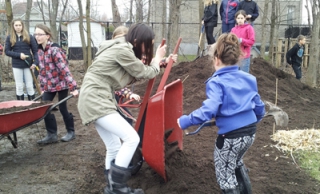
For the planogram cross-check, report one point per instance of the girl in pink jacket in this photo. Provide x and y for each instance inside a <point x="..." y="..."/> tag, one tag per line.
<point x="245" y="34"/>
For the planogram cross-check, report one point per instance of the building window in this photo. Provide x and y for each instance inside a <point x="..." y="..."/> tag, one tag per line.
<point x="290" y="15"/>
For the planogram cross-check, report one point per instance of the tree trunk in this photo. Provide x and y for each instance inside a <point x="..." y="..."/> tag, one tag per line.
<point x="174" y="26"/>
<point x="83" y="41"/>
<point x="27" y="18"/>
<point x="149" y="12"/>
<point x="115" y="14"/>
<point x="164" y="19"/>
<point x="313" y="68"/>
<point x="139" y="11"/>
<point x="40" y="5"/>
<point x="263" y="29"/>
<point x="272" y="28"/>
<point x="88" y="33"/>
<point x="201" y="11"/>
<point x="131" y="17"/>
<point x="53" y="12"/>
<point x="9" y="14"/>
<point x="308" y="12"/>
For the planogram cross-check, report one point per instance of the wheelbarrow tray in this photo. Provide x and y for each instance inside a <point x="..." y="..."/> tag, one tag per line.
<point x="13" y="121"/>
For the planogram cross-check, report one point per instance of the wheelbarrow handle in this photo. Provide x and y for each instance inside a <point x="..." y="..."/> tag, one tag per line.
<point x="61" y="101"/>
<point x="205" y="124"/>
<point x="37" y="98"/>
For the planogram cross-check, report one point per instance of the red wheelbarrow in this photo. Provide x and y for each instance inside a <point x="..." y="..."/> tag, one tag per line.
<point x="11" y="122"/>
<point x="157" y="122"/>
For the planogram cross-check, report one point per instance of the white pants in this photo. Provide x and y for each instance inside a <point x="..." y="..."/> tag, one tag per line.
<point x="113" y="128"/>
<point x="22" y="76"/>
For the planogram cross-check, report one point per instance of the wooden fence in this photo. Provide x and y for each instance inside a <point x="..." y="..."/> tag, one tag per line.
<point x="282" y="47"/>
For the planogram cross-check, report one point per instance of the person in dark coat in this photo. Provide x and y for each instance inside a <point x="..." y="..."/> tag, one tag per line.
<point x="210" y="19"/>
<point x="22" y="48"/>
<point x="295" y="54"/>
<point x="251" y="9"/>
<point x="228" y="9"/>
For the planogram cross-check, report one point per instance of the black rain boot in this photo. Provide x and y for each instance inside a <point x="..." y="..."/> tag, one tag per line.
<point x="31" y="97"/>
<point x="51" y="126"/>
<point x="69" y="122"/>
<point x="243" y="180"/>
<point x="231" y="191"/>
<point x="20" y="97"/>
<point x="106" y="175"/>
<point x="118" y="177"/>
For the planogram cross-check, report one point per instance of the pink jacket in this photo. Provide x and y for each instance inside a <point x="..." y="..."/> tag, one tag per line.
<point x="246" y="33"/>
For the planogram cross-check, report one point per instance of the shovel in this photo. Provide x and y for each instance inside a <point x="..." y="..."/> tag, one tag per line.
<point x="281" y="118"/>
<point x="34" y="77"/>
<point x="200" y="50"/>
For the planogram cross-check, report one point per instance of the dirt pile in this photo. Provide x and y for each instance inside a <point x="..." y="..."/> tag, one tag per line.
<point x="77" y="166"/>
<point x="192" y="170"/>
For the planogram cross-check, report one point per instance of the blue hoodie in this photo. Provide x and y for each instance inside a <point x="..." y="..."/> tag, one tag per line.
<point x="232" y="99"/>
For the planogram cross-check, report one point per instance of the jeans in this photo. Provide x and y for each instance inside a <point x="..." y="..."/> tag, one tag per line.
<point x="245" y="65"/>
<point x="297" y="70"/>
<point x="209" y="35"/>
<point x="112" y="129"/>
<point x="21" y="75"/>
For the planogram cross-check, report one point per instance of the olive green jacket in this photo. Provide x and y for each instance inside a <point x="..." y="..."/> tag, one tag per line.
<point x="114" y="67"/>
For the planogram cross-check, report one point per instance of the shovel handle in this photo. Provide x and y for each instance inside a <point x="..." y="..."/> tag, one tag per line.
<point x="205" y="124"/>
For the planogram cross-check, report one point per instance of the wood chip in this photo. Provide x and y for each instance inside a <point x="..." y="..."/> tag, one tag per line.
<point x="294" y="140"/>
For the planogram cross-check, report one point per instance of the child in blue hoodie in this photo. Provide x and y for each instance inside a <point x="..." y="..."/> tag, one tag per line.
<point x="234" y="102"/>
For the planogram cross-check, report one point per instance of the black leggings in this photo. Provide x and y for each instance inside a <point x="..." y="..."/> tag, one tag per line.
<point x="209" y="35"/>
<point x="49" y="96"/>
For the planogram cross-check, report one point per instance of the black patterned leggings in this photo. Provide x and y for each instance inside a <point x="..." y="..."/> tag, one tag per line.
<point x="228" y="155"/>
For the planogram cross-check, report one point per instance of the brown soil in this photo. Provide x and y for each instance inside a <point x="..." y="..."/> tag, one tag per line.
<point x="21" y="108"/>
<point x="77" y="166"/>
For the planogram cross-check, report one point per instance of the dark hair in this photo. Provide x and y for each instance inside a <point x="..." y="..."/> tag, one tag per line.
<point x="228" y="49"/>
<point x="46" y="30"/>
<point x="139" y="34"/>
<point x="240" y="12"/>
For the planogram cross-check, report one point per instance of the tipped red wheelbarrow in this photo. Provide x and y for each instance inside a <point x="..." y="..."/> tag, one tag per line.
<point x="157" y="122"/>
<point x="11" y="122"/>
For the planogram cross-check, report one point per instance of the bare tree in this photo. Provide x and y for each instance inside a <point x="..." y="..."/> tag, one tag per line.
<point x="130" y="10"/>
<point x="83" y="42"/>
<point x="41" y="7"/>
<point x="174" y="20"/>
<point x="272" y="27"/>
<point x="263" y="34"/>
<point x="164" y="19"/>
<point x="115" y="13"/>
<point x="201" y="12"/>
<point x="313" y="68"/>
<point x="308" y="11"/>
<point x="9" y="14"/>
<point x="139" y="11"/>
<point x="88" y="21"/>
<point x="149" y="8"/>
<point x="28" y="11"/>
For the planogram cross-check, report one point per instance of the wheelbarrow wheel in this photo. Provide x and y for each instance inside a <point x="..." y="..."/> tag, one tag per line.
<point x="136" y="161"/>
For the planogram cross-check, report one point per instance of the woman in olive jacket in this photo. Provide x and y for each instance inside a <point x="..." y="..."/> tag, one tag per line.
<point x="19" y="45"/>
<point x="117" y="64"/>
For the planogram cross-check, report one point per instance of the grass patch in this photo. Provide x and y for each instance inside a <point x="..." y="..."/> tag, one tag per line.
<point x="185" y="58"/>
<point x="310" y="162"/>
